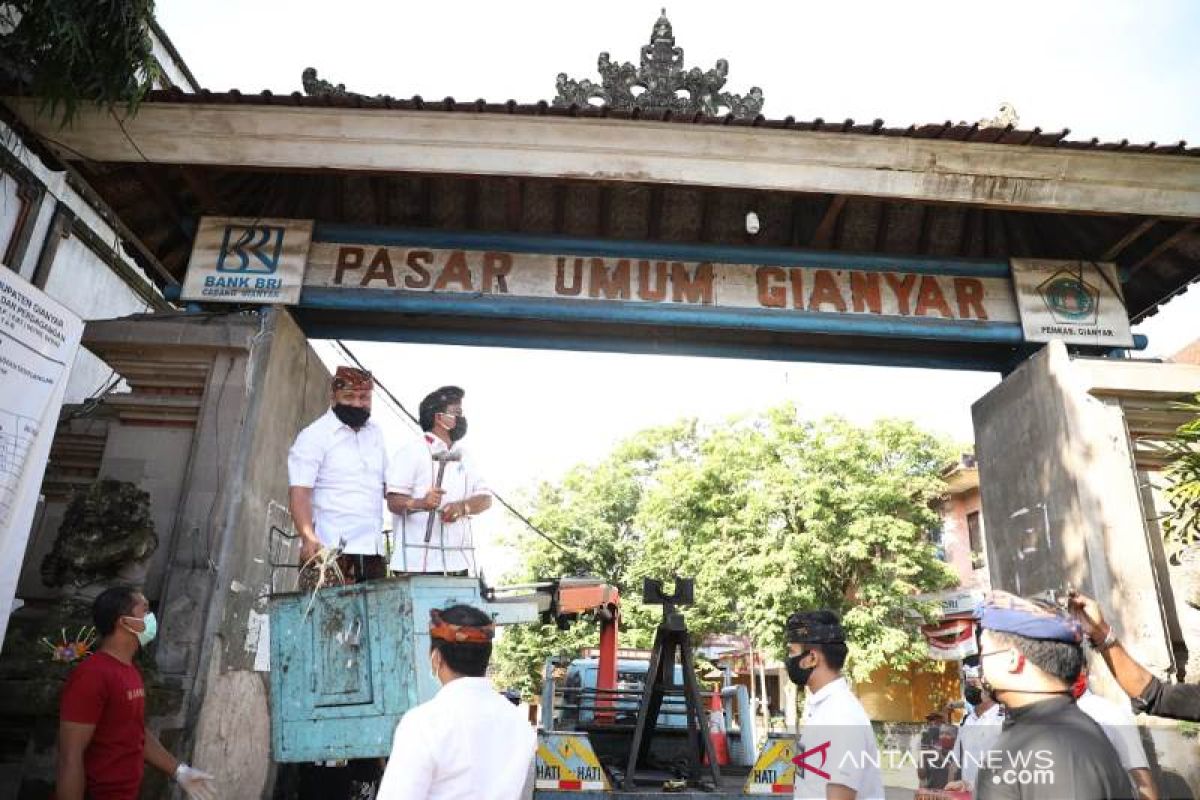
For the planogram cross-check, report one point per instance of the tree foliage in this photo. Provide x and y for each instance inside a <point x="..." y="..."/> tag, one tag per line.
<point x="769" y="514"/>
<point x="1181" y="527"/>
<point x="68" y="52"/>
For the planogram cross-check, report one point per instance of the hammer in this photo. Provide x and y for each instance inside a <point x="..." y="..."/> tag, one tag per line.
<point x="442" y="458"/>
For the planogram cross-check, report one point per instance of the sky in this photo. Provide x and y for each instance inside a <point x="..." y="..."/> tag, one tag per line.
<point x="1110" y="69"/>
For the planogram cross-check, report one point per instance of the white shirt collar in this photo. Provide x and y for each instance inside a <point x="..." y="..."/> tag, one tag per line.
<point x="835" y="686"/>
<point x="994" y="711"/>
<point x="332" y="419"/>
<point x="460" y="685"/>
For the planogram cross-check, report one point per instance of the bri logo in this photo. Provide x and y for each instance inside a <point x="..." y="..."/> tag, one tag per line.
<point x="252" y="249"/>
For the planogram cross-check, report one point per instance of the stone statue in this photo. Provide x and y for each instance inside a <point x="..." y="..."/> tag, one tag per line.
<point x="316" y="86"/>
<point x="1007" y="116"/>
<point x="660" y="82"/>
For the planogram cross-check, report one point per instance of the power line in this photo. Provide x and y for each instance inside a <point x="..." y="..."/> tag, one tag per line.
<point x="396" y="402"/>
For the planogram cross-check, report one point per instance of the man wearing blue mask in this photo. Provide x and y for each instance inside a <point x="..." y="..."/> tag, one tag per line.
<point x="103" y="741"/>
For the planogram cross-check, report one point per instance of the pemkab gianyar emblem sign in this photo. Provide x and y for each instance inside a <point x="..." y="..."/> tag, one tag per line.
<point x="1075" y="301"/>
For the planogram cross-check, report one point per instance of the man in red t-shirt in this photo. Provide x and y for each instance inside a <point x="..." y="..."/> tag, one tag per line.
<point x="103" y="740"/>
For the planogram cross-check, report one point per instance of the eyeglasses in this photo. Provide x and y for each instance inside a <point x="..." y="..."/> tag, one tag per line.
<point x="994" y="652"/>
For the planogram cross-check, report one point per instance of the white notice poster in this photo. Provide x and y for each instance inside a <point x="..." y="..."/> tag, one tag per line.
<point x="1079" y="302"/>
<point x="38" y="340"/>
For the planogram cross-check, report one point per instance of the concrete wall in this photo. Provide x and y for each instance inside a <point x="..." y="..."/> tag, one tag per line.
<point x="290" y="390"/>
<point x="215" y="401"/>
<point x="1061" y="501"/>
<point x="1064" y="505"/>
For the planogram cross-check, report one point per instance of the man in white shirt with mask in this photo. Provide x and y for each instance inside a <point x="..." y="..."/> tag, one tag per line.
<point x="335" y="482"/>
<point x="1120" y="726"/>
<point x="468" y="742"/>
<point x="979" y="730"/>
<point x="839" y="758"/>
<point x="413" y="493"/>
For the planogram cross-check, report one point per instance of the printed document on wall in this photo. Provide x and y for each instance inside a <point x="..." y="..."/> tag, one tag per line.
<point x="38" y="340"/>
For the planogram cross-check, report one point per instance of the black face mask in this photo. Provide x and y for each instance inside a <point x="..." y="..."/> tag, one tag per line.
<point x="460" y="428"/>
<point x="973" y="695"/>
<point x="353" y="416"/>
<point x="798" y="674"/>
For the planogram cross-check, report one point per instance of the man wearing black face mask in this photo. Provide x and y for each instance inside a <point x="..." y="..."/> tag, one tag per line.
<point x="979" y="729"/>
<point x="335" y="481"/>
<point x="839" y="758"/>
<point x="1030" y="654"/>
<point x="413" y="493"/>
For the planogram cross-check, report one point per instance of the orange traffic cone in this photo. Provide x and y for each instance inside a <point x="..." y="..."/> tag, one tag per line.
<point x="716" y="729"/>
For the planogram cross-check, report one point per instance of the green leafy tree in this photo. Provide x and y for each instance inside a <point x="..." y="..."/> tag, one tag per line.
<point x="1181" y="527"/>
<point x="769" y="514"/>
<point x="68" y="52"/>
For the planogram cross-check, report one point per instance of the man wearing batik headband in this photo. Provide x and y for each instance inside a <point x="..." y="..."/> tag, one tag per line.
<point x="335" y="481"/>
<point x="468" y="742"/>
<point x="839" y="756"/>
<point x="1030" y="653"/>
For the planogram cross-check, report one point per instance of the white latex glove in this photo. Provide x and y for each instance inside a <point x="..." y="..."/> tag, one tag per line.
<point x="196" y="783"/>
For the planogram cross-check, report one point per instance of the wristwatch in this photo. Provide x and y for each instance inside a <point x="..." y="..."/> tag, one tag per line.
<point x="1110" y="639"/>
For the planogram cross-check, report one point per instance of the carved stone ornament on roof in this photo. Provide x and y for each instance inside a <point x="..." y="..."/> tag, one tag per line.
<point x="660" y="82"/>
<point x="319" y="87"/>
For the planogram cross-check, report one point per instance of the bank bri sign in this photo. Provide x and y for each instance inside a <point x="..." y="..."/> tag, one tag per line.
<point x="556" y="278"/>
<point x="248" y="261"/>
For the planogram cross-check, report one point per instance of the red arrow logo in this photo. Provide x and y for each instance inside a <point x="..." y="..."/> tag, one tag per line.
<point x="801" y="760"/>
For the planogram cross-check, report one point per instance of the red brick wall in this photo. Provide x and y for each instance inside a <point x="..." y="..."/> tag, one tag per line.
<point x="1189" y="354"/>
<point x="955" y="539"/>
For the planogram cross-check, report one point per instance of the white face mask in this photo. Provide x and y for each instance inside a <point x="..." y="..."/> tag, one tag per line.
<point x="434" y="671"/>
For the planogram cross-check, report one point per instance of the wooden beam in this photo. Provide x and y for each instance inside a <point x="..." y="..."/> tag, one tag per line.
<point x="964" y="231"/>
<point x="560" y="207"/>
<point x="1165" y="245"/>
<point x="881" y="226"/>
<point x="654" y="221"/>
<point x="1131" y="236"/>
<point x="923" y="231"/>
<point x="162" y="196"/>
<point x="515" y="201"/>
<point x="606" y="149"/>
<point x="797" y="216"/>
<point x="823" y="235"/>
<point x="197" y="182"/>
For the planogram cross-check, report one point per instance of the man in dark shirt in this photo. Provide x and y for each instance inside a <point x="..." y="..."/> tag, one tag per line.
<point x="1048" y="749"/>
<point x="1148" y="693"/>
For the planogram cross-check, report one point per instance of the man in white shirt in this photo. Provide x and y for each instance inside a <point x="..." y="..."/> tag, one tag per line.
<point x="413" y="494"/>
<point x="1120" y="726"/>
<point x="979" y="730"/>
<point x="468" y="742"/>
<point x="839" y="758"/>
<point x="336" y="478"/>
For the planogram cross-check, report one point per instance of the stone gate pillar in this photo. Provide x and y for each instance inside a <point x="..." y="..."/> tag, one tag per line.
<point x="215" y="401"/>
